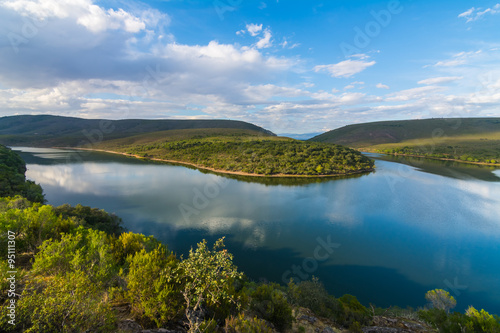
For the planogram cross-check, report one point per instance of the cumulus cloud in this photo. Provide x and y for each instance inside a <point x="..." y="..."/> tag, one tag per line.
<point x="84" y="12"/>
<point x="440" y="80"/>
<point x="254" y="29"/>
<point x="265" y="41"/>
<point x="382" y="86"/>
<point x="474" y="14"/>
<point x="346" y="68"/>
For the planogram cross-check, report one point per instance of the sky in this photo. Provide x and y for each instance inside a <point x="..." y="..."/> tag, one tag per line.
<point x="290" y="66"/>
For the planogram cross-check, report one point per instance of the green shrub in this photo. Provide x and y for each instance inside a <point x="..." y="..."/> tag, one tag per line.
<point x="482" y="321"/>
<point x="313" y="295"/>
<point x="248" y="325"/>
<point x="32" y="224"/>
<point x="86" y="250"/>
<point x="150" y="290"/>
<point x="129" y="243"/>
<point x="93" y="218"/>
<point x="269" y="302"/>
<point x="68" y="303"/>
<point x="353" y="311"/>
<point x="444" y="322"/>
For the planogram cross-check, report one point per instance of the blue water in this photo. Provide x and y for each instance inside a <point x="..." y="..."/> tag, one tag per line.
<point x="386" y="237"/>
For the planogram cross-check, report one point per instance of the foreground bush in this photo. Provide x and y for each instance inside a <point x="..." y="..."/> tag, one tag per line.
<point x="154" y="297"/>
<point x="313" y="295"/>
<point x="62" y="303"/>
<point x="269" y="301"/>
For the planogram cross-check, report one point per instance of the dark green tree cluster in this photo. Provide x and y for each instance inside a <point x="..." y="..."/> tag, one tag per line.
<point x="263" y="157"/>
<point x="459" y="153"/>
<point x="12" y="177"/>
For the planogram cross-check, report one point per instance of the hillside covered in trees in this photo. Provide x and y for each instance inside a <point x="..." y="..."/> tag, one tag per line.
<point x="50" y="131"/>
<point x="475" y="140"/>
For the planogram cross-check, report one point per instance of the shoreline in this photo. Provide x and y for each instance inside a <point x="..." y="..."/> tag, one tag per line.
<point x="201" y="167"/>
<point x="432" y="158"/>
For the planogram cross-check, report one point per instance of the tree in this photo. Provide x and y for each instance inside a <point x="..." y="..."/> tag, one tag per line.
<point x="207" y="277"/>
<point x="441" y="299"/>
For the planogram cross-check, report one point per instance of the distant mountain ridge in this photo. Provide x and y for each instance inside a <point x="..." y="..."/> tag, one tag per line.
<point x="48" y="130"/>
<point x="385" y="132"/>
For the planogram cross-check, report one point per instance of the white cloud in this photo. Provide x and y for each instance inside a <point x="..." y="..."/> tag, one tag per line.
<point x="84" y="12"/>
<point x="382" y="86"/>
<point x="457" y="59"/>
<point x="346" y="68"/>
<point x="414" y="93"/>
<point x="254" y="29"/>
<point x="265" y="41"/>
<point x="440" y="80"/>
<point x="474" y="14"/>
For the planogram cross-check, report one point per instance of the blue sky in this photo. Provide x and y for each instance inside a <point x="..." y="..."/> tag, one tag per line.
<point x="289" y="66"/>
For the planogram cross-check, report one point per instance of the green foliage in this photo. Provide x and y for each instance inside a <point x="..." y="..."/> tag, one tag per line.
<point x="150" y="290"/>
<point x="86" y="250"/>
<point x="482" y="321"/>
<point x="207" y="278"/>
<point x="441" y="299"/>
<point x="353" y="312"/>
<point x="13" y="180"/>
<point x="269" y="301"/>
<point x="53" y="131"/>
<point x="129" y="243"/>
<point x="248" y="325"/>
<point x="64" y="303"/>
<point x="31" y="223"/>
<point x="313" y="295"/>
<point x="473" y="321"/>
<point x="278" y="156"/>
<point x="93" y="218"/>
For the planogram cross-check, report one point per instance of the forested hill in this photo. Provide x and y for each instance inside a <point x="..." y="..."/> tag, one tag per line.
<point x="370" y="134"/>
<point x="47" y="130"/>
<point x="472" y="140"/>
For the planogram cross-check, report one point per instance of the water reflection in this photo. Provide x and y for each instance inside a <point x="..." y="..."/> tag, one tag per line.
<point x="399" y="228"/>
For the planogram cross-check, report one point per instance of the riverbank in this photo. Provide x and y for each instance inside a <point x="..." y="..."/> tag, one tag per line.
<point x="364" y="150"/>
<point x="220" y="171"/>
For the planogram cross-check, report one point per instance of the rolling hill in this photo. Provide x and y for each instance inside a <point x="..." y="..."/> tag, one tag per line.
<point x="48" y="131"/>
<point x="464" y="139"/>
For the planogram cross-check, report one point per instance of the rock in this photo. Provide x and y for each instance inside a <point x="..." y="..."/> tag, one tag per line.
<point x="376" y="329"/>
<point x="129" y="325"/>
<point x="310" y="319"/>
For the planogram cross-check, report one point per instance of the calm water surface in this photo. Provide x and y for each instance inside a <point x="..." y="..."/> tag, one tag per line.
<point x="386" y="237"/>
